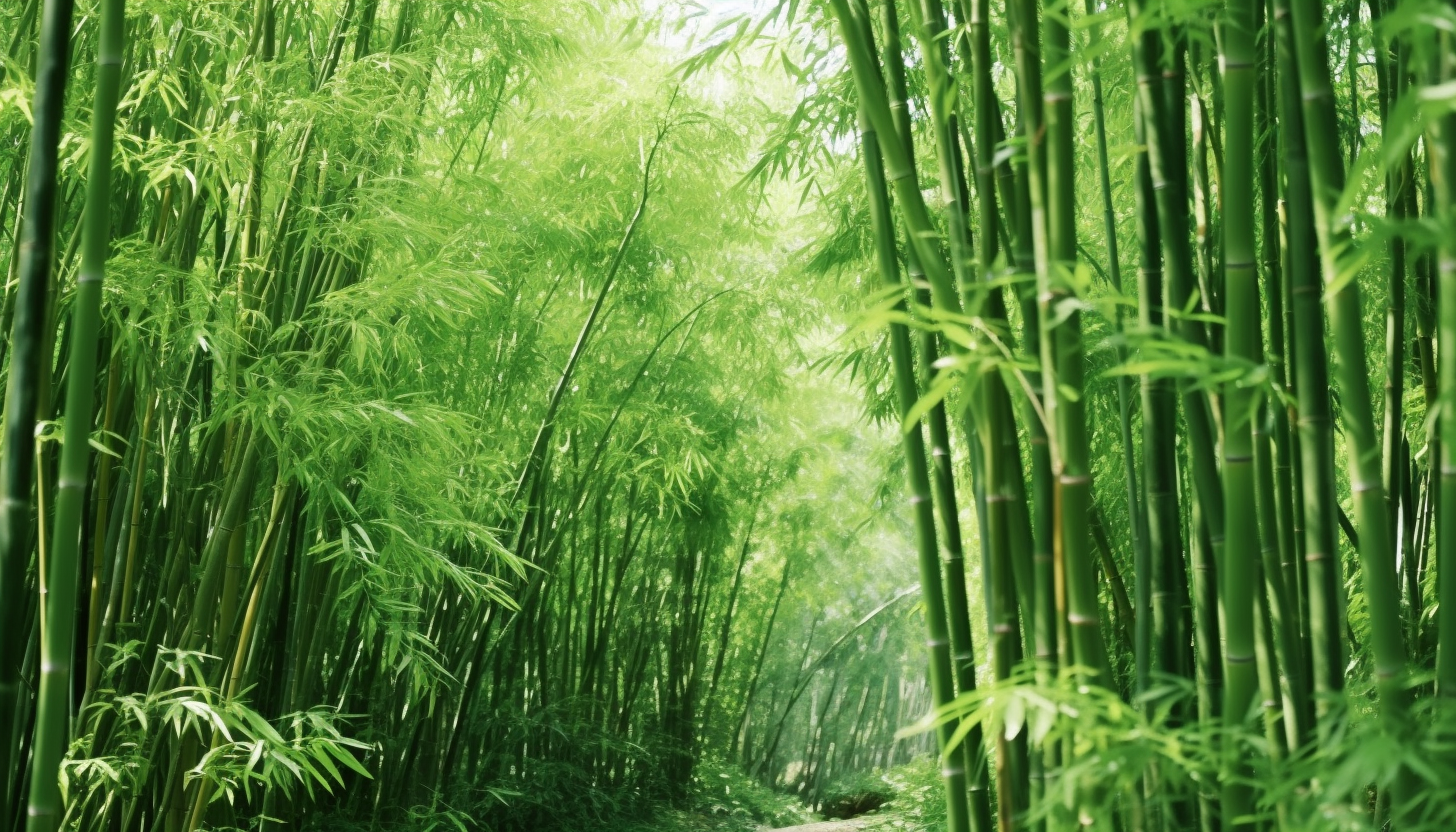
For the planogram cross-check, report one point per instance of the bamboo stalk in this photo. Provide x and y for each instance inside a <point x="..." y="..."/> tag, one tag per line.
<point x="29" y="325"/>
<point x="1343" y="306"/>
<point x="941" y="673"/>
<point x="1063" y="362"/>
<point x="1442" y="152"/>
<point x="1316" y="444"/>
<point x="1242" y="343"/>
<point x="52" y="706"/>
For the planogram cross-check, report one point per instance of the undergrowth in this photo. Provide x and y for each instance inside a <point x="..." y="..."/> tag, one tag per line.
<point x="914" y="795"/>
<point x="724" y="794"/>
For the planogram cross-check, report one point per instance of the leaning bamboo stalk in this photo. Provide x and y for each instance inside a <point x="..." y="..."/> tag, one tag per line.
<point x="123" y="573"/>
<point x="134" y="515"/>
<point x="897" y="159"/>
<point x="929" y="17"/>
<point x="52" y="703"/>
<point x="986" y="433"/>
<point x="941" y="678"/>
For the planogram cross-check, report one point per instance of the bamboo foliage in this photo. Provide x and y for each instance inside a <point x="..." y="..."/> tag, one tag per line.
<point x="360" y="537"/>
<point x="1251" y="260"/>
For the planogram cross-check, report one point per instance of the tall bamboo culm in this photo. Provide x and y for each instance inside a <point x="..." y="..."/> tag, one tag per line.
<point x="62" y="574"/>
<point x="25" y="352"/>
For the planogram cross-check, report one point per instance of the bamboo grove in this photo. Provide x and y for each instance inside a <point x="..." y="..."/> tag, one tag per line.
<point x="1208" y="499"/>
<point x="416" y="412"/>
<point x="399" y="430"/>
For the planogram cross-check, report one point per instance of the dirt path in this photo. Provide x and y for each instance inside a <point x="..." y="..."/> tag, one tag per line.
<point x="833" y="826"/>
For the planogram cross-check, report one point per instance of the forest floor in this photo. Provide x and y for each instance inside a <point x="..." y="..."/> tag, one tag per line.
<point x="903" y="799"/>
<point x="691" y="822"/>
<point x="852" y="825"/>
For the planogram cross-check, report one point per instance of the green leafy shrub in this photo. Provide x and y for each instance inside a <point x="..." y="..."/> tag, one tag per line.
<point x="917" y="796"/>
<point x="580" y="777"/>
<point x="724" y="790"/>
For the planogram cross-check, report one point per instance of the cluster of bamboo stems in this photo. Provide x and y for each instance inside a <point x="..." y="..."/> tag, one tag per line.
<point x="1248" y="266"/>
<point x="294" y="565"/>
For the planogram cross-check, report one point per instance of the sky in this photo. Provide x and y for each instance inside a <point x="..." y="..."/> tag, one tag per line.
<point x="704" y="14"/>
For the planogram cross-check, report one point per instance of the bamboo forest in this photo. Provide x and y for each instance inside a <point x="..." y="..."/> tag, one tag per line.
<point x="728" y="415"/>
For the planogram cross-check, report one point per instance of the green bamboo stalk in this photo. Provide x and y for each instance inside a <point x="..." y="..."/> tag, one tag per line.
<point x="1194" y="582"/>
<point x="931" y="24"/>
<point x="1013" y="544"/>
<point x="1063" y="376"/>
<point x="1316" y="443"/>
<point x="1441" y="148"/>
<point x="941" y="672"/>
<point x="1389" y="76"/>
<point x="1242" y="343"/>
<point x="1429" y="495"/>
<point x="929" y="19"/>
<point x="1160" y="93"/>
<point x="1209" y="282"/>
<point x="1138" y="518"/>
<point x="1277" y="351"/>
<point x="1269" y="689"/>
<point x="101" y="556"/>
<point x="1159" y="416"/>
<point x="853" y="21"/>
<point x="1031" y="527"/>
<point x="1024" y="20"/>
<point x="52" y="702"/>
<point x="1285" y="662"/>
<point x="27" y="364"/>
<point x="1343" y="306"/>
